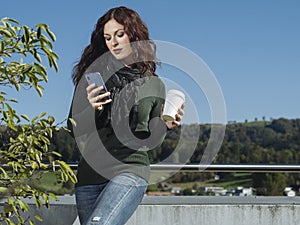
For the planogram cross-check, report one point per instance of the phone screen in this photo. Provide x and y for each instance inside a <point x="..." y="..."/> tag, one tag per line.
<point x="96" y="78"/>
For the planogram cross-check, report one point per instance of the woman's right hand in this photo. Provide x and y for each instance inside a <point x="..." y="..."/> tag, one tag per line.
<point x="96" y="99"/>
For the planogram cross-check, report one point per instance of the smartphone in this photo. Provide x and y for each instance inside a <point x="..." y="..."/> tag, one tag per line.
<point x="96" y="78"/>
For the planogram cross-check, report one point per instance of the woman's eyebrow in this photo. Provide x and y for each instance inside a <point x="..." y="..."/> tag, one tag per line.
<point x="115" y="31"/>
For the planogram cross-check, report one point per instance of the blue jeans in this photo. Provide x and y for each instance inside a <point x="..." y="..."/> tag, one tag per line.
<point x="110" y="203"/>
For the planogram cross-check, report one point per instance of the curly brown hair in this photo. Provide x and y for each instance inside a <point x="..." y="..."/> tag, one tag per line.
<point x="144" y="49"/>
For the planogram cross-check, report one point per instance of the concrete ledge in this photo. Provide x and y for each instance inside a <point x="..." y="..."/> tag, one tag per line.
<point x="220" y="200"/>
<point x="206" y="210"/>
<point x="216" y="215"/>
<point x="191" y="210"/>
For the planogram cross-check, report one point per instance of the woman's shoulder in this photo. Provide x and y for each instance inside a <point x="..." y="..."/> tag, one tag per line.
<point x="154" y="87"/>
<point x="155" y="80"/>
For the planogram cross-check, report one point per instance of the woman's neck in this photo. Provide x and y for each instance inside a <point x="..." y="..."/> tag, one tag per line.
<point x="128" y="61"/>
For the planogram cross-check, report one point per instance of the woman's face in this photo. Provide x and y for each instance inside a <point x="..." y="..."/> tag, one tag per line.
<point x="117" y="41"/>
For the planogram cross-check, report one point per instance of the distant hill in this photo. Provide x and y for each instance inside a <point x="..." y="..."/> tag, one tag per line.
<point x="276" y="141"/>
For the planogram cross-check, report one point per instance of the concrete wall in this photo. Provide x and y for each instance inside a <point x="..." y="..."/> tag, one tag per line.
<point x="190" y="210"/>
<point x="218" y="211"/>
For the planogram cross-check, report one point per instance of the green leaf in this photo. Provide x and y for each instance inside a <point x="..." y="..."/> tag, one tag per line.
<point x="11" y="29"/>
<point x="27" y="69"/>
<point x="73" y="122"/>
<point x="39" y="31"/>
<point x="45" y="198"/>
<point x="53" y="196"/>
<point x="17" y="86"/>
<point x="39" y="91"/>
<point x="13" y="100"/>
<point x="40" y="68"/>
<point x="55" y="66"/>
<point x="38" y="202"/>
<point x="1" y="46"/>
<point x="12" y="20"/>
<point x="5" y="33"/>
<point x="54" y="56"/>
<point x="26" y="34"/>
<point x="25" y="117"/>
<point x="41" y="25"/>
<point x="67" y="171"/>
<point x="51" y="119"/>
<point x="3" y="190"/>
<point x="12" y="125"/>
<point x="34" y="119"/>
<point x="10" y="110"/>
<point x="34" y="165"/>
<point x="45" y="140"/>
<point x="51" y="34"/>
<point x="42" y="114"/>
<point x="56" y="153"/>
<point x="44" y="40"/>
<point x="4" y="174"/>
<point x="23" y="205"/>
<point x="37" y="57"/>
<point x="38" y="218"/>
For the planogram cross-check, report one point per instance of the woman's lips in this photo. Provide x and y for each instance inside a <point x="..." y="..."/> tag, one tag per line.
<point x="117" y="51"/>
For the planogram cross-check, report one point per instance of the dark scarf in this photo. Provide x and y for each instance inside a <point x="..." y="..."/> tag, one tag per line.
<point x="124" y="86"/>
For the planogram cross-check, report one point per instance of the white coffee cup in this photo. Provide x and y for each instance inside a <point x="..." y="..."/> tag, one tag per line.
<point x="173" y="103"/>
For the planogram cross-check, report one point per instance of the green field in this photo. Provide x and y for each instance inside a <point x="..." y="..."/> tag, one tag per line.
<point x="237" y="179"/>
<point x="48" y="182"/>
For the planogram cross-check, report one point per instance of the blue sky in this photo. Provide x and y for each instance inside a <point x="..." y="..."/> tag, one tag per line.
<point x="252" y="48"/>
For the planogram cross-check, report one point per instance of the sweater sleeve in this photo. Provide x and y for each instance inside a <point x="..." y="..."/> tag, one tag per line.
<point x="145" y="107"/>
<point x="82" y="113"/>
<point x="150" y="126"/>
<point x="151" y="100"/>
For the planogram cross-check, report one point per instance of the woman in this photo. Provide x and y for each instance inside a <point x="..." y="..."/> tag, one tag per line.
<point x="115" y="129"/>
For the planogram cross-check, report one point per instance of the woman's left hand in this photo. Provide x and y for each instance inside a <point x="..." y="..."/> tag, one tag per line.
<point x="177" y="120"/>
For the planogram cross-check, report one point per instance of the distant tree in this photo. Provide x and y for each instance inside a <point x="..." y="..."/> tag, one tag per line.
<point x="269" y="184"/>
<point x="65" y="145"/>
<point x="268" y="137"/>
<point x="188" y="191"/>
<point x="282" y="125"/>
<point x="26" y="152"/>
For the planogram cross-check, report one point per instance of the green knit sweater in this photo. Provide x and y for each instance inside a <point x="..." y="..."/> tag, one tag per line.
<point x="109" y="148"/>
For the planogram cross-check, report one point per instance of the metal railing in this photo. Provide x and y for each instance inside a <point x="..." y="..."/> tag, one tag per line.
<point x="229" y="168"/>
<point x="254" y="168"/>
